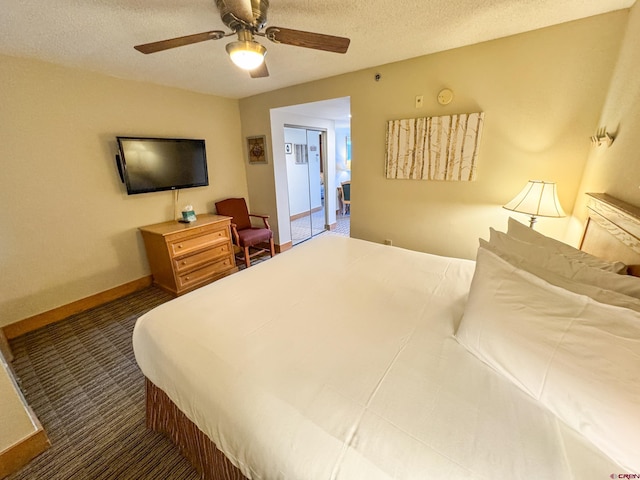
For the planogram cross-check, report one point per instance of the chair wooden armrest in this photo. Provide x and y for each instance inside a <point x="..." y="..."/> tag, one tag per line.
<point x="265" y="219"/>
<point x="234" y="232"/>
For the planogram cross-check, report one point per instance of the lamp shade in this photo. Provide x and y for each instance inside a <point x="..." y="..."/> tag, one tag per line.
<point x="247" y="55"/>
<point x="538" y="199"/>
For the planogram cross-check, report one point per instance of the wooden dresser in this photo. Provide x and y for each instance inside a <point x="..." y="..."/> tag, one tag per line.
<point x="185" y="256"/>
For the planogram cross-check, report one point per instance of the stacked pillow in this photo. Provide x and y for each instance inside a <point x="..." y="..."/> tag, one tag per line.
<point x="565" y="328"/>
<point x="522" y="232"/>
<point x="546" y="263"/>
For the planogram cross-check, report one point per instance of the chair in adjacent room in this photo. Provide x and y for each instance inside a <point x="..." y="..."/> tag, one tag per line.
<point x="245" y="235"/>
<point x="345" y="188"/>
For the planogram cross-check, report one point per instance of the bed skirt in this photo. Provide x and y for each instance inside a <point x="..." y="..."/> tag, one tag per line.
<point x="165" y="417"/>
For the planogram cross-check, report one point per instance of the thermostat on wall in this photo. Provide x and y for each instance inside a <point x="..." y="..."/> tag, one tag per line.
<point x="445" y="96"/>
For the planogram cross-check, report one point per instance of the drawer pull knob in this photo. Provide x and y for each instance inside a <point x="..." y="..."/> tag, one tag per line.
<point x="184" y="262"/>
<point x="180" y="246"/>
<point x="187" y="278"/>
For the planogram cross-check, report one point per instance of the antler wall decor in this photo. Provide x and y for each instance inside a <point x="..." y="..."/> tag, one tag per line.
<point x="601" y="138"/>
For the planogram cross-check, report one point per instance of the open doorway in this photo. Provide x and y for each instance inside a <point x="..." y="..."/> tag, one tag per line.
<point x="343" y="180"/>
<point x="332" y="119"/>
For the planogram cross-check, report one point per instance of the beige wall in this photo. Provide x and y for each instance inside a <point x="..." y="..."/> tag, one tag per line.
<point x="542" y="93"/>
<point x="69" y="230"/>
<point x="616" y="170"/>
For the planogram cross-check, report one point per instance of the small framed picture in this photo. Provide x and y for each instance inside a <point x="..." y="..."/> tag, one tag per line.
<point x="257" y="149"/>
<point x="288" y="148"/>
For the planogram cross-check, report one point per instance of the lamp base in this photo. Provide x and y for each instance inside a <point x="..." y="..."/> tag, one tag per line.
<point x="532" y="221"/>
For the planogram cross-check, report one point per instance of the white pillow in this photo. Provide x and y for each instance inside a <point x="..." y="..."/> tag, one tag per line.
<point x="522" y="232"/>
<point x="578" y="357"/>
<point x="601" y="295"/>
<point x="524" y="254"/>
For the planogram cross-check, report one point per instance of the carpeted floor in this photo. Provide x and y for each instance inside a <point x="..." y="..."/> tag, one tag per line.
<point x="81" y="379"/>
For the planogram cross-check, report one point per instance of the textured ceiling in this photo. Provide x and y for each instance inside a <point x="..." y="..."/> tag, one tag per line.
<point x="99" y="35"/>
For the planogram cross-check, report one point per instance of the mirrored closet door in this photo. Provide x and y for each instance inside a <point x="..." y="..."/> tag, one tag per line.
<point x="304" y="151"/>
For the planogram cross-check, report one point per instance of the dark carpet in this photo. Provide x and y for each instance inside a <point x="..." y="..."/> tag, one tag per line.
<point x="81" y="379"/>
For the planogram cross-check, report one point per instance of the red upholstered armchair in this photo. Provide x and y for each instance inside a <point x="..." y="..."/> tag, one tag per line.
<point x="245" y="235"/>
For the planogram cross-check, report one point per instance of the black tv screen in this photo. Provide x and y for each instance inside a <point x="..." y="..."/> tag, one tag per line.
<point x="155" y="164"/>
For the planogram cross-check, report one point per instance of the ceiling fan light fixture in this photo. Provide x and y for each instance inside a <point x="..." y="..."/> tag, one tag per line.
<point x="247" y="55"/>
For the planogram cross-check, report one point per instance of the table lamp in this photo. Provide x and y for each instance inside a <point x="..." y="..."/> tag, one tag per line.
<point x="537" y="199"/>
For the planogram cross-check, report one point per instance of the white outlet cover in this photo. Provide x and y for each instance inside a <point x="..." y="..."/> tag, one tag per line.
<point x="445" y="96"/>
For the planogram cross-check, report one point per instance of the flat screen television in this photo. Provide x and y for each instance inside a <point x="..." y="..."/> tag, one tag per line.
<point x="156" y="164"/>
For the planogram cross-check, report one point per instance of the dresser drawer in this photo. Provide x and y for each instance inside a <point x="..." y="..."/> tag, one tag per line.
<point x="195" y="277"/>
<point x="193" y="261"/>
<point x="191" y="244"/>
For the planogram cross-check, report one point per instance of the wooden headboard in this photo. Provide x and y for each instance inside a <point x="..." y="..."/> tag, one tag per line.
<point x="612" y="231"/>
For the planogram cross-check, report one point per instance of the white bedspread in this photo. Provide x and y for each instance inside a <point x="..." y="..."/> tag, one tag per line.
<point x="337" y="360"/>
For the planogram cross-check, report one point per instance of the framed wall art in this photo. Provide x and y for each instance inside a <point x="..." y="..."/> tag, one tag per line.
<point x="257" y="149"/>
<point x="434" y="148"/>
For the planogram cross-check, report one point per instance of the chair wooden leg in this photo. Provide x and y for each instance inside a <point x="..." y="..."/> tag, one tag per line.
<point x="272" y="248"/>
<point x="247" y="258"/>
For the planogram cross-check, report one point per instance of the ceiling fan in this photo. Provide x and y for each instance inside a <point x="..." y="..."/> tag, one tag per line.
<point x="246" y="19"/>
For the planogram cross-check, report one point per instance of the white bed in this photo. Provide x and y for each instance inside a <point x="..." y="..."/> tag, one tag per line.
<point x="338" y="360"/>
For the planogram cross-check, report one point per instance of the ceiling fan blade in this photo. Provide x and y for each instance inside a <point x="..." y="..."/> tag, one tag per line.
<point x="260" y="72"/>
<point x="179" y="41"/>
<point x="299" y="38"/>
